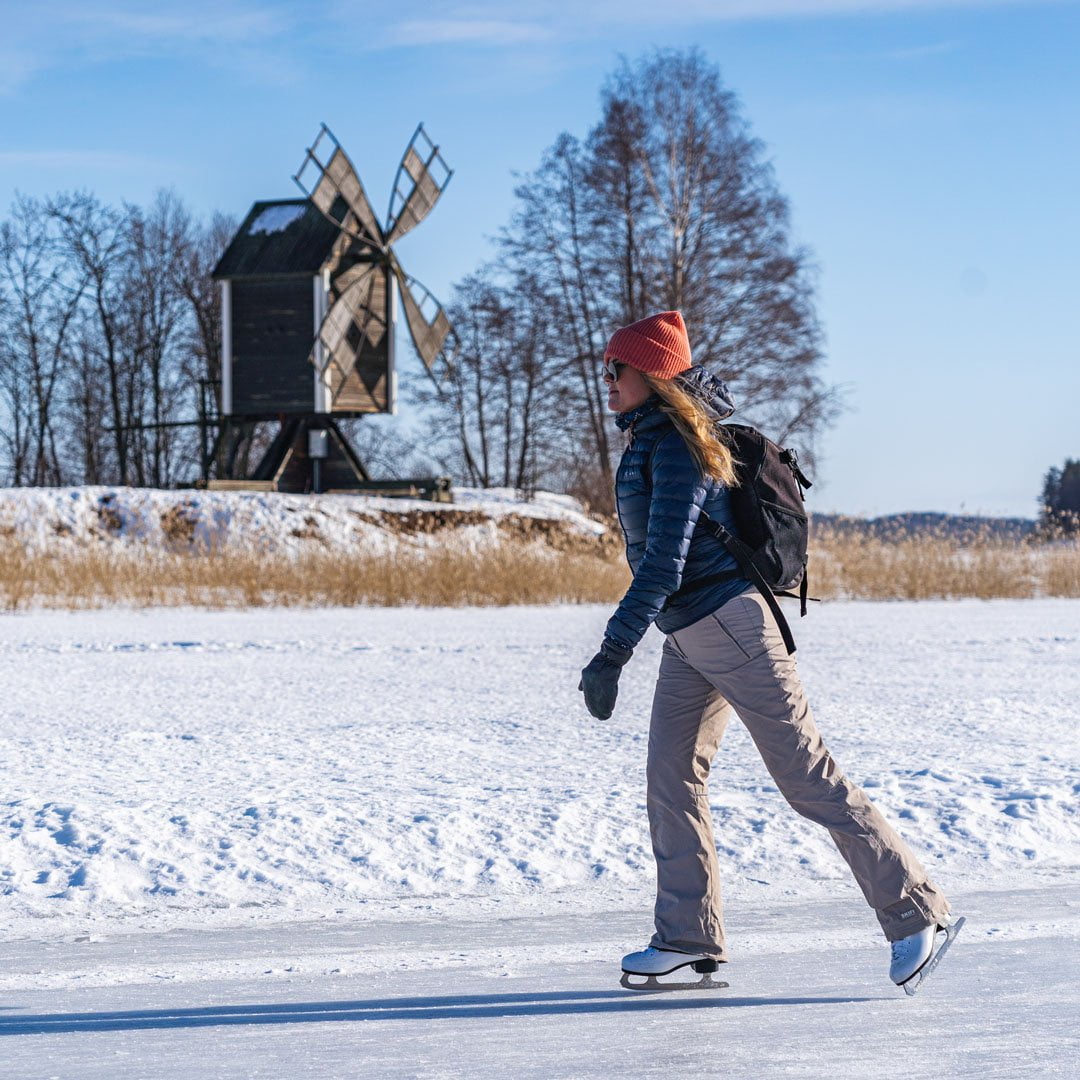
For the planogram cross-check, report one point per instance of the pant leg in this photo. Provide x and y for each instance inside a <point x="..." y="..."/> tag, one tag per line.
<point x="688" y="720"/>
<point x="740" y="651"/>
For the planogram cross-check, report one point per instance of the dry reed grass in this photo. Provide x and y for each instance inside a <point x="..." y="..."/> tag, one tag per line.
<point x="844" y="564"/>
<point x="849" y="563"/>
<point x="509" y="574"/>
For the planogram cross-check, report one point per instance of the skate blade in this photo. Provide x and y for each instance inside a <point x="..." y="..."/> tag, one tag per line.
<point x="911" y="987"/>
<point x="653" y="985"/>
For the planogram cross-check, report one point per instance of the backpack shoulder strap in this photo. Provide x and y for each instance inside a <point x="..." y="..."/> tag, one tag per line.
<point x="744" y="557"/>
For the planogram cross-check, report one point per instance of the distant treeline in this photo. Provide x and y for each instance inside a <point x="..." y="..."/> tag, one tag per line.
<point x="1059" y="501"/>
<point x="961" y="528"/>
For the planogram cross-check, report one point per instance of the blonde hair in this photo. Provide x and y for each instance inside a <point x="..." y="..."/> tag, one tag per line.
<point x="697" y="427"/>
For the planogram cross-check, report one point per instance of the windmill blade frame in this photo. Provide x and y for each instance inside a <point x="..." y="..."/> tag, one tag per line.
<point x="356" y="325"/>
<point x="420" y="180"/>
<point x="337" y="191"/>
<point x="428" y="333"/>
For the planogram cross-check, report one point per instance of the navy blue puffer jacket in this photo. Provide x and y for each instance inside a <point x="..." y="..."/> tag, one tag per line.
<point x="659" y="493"/>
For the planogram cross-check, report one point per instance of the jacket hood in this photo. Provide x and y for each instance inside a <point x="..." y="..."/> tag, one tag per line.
<point x="711" y="391"/>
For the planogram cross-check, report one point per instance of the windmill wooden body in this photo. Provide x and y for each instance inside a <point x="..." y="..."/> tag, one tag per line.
<point x="309" y="291"/>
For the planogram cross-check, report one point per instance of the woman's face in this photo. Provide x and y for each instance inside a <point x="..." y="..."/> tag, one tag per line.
<point x="627" y="390"/>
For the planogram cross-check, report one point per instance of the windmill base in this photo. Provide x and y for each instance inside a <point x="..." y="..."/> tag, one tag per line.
<point x="288" y="465"/>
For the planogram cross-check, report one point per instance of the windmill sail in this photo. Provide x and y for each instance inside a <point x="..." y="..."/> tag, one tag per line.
<point x="421" y="178"/>
<point x="428" y="324"/>
<point x="334" y="187"/>
<point x="353" y="350"/>
<point x="354" y="340"/>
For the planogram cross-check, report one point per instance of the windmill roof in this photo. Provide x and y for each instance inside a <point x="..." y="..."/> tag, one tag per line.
<point x="279" y="236"/>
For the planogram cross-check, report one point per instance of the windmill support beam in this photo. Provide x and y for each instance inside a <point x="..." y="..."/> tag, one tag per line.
<point x="320" y="285"/>
<point x="226" y="348"/>
<point x="391" y="345"/>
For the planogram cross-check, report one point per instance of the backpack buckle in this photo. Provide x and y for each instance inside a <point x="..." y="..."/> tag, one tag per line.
<point x="790" y="458"/>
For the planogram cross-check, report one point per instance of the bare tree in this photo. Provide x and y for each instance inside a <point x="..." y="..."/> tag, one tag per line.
<point x="202" y="352"/>
<point x="387" y="451"/>
<point x="714" y="237"/>
<point x="466" y="394"/>
<point x="552" y="242"/>
<point x="670" y="204"/>
<point x="15" y="429"/>
<point x="93" y="238"/>
<point x="157" y="241"/>
<point x="41" y="301"/>
<point x="110" y="332"/>
<point x="621" y="198"/>
<point x="539" y="390"/>
<point x="85" y="406"/>
<point x="499" y="404"/>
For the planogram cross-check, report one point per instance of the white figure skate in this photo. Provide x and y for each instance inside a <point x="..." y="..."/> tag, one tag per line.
<point x="915" y="957"/>
<point x="651" y="964"/>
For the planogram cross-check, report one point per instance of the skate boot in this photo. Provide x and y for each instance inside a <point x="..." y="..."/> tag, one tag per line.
<point x="915" y="957"/>
<point x="652" y="962"/>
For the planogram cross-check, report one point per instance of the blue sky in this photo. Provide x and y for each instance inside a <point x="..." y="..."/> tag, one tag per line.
<point x="929" y="149"/>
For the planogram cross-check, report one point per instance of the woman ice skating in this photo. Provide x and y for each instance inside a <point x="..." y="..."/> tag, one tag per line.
<point x="723" y="653"/>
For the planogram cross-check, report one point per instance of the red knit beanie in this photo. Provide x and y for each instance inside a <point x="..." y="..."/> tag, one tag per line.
<point x="657" y="345"/>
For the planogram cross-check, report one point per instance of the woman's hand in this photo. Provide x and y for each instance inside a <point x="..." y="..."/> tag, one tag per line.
<point x="600" y="679"/>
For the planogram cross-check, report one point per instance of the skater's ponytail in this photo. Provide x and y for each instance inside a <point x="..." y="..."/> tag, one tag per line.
<point x="698" y="428"/>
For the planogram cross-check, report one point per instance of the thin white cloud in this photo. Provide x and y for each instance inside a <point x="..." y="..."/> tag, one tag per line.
<point x="918" y="52"/>
<point x="397" y="23"/>
<point x="263" y="40"/>
<point x="119" y="21"/>
<point x="65" y="160"/>
<point x="237" y="32"/>
<point x="465" y="31"/>
<point x="720" y="10"/>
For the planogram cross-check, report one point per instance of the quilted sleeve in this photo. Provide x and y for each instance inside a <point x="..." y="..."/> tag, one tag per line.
<point x="678" y="494"/>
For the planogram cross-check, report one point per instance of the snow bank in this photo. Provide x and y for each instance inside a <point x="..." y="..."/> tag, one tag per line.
<point x="64" y="519"/>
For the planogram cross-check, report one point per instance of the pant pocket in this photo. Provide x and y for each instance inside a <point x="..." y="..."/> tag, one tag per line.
<point x="730" y="634"/>
<point x="723" y="640"/>
<point x="675" y="647"/>
<point x="748" y="624"/>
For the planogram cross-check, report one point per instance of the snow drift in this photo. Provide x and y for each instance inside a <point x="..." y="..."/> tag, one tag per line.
<point x="71" y="519"/>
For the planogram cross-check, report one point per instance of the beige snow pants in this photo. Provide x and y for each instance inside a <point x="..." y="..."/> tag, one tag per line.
<point x="735" y="659"/>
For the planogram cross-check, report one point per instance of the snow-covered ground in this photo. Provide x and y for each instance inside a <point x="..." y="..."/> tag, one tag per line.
<point x="222" y="831"/>
<point x="66" y="519"/>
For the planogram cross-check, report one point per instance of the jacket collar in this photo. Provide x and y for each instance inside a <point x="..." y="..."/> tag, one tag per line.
<point x="627" y="420"/>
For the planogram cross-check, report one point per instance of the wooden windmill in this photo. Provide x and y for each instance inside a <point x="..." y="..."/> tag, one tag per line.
<point x="309" y="293"/>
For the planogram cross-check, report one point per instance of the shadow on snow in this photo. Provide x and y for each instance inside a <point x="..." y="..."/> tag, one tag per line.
<point x="466" y="1006"/>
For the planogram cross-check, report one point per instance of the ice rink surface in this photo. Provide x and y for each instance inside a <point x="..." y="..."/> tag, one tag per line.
<point x="538" y="997"/>
<point x="391" y="843"/>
